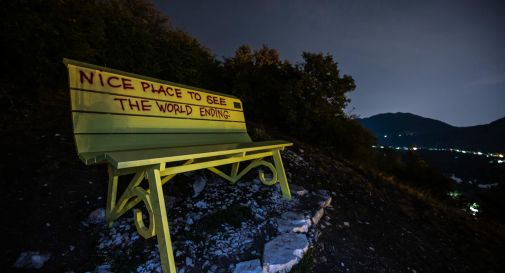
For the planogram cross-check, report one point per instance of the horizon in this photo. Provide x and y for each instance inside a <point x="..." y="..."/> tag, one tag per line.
<point x="362" y="117"/>
<point x="446" y="55"/>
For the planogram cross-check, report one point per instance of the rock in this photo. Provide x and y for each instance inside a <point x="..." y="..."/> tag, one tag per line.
<point x="298" y="190"/>
<point x="293" y="222"/>
<point x="347" y="224"/>
<point x="201" y="205"/>
<point x="189" y="261"/>
<point x="32" y="259"/>
<point x="283" y="252"/>
<point x="253" y="266"/>
<point x="324" y="198"/>
<point x="199" y="185"/>
<point x="97" y="216"/>
<point x="317" y="216"/>
<point x="104" y="268"/>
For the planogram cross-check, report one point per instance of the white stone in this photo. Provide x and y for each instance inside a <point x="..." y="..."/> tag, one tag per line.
<point x="325" y="198"/>
<point x="347" y="224"/>
<point x="189" y="261"/>
<point x="199" y="185"/>
<point x="317" y="216"/>
<point x="283" y="252"/>
<point x="32" y="259"/>
<point x="253" y="266"/>
<point x="97" y="216"/>
<point x="298" y="190"/>
<point x="293" y="222"/>
<point x="104" y="268"/>
<point x="201" y="205"/>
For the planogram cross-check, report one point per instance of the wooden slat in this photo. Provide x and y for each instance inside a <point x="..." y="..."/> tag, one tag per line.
<point x="89" y="143"/>
<point x="121" y="83"/>
<point x="105" y="123"/>
<point x="129" y="159"/>
<point x="105" y="103"/>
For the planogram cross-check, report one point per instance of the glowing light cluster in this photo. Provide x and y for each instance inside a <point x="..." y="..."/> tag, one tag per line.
<point x="454" y="150"/>
<point x="454" y="194"/>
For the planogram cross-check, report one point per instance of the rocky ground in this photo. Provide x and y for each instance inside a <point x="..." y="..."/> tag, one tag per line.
<point x="371" y="225"/>
<point x="219" y="228"/>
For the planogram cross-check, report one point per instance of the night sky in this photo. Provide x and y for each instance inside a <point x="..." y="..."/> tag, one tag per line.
<point x="439" y="59"/>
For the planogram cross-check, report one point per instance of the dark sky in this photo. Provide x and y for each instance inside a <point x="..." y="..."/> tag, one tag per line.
<point x="439" y="59"/>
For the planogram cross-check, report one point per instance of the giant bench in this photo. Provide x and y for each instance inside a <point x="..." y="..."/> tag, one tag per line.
<point x="152" y="130"/>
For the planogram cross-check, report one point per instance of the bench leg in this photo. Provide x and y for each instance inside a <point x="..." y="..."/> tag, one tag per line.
<point x="161" y="220"/>
<point x="111" y="196"/>
<point x="281" y="175"/>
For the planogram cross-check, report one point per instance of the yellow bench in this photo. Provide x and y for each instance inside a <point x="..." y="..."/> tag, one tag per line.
<point x="156" y="129"/>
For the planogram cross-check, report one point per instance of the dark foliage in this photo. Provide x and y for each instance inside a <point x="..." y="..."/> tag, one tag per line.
<point x="304" y="101"/>
<point x="128" y="35"/>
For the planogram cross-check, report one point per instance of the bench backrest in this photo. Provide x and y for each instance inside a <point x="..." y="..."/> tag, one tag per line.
<point x="114" y="110"/>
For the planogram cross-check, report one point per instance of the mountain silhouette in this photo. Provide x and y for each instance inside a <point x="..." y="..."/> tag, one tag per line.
<point x="406" y="129"/>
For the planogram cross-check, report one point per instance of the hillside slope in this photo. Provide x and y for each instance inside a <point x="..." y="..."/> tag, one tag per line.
<point x="374" y="225"/>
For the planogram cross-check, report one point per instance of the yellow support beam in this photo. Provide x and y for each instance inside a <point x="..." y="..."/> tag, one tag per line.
<point x="212" y="163"/>
<point x="283" y="181"/>
<point x="160" y="220"/>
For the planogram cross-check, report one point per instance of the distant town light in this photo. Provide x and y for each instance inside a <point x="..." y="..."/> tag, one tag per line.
<point x="385" y="136"/>
<point x="454" y="194"/>
<point x="474" y="207"/>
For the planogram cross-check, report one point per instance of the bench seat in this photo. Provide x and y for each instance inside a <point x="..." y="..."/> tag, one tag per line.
<point x="142" y="157"/>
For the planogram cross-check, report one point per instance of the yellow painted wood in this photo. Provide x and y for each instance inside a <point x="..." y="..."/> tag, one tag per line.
<point x="160" y="220"/>
<point x="105" y="143"/>
<point x="208" y="164"/>
<point x="83" y="101"/>
<point x="102" y="79"/>
<point x="128" y="159"/>
<point x="144" y="231"/>
<point x="234" y="169"/>
<point x="126" y="202"/>
<point x="283" y="181"/>
<point x="111" y="196"/>
<point x="92" y="123"/>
